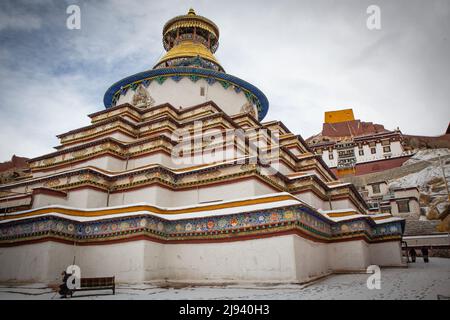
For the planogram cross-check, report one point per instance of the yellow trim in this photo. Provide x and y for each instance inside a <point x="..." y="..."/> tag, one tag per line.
<point x="341" y="214"/>
<point x="191" y="23"/>
<point x="153" y="209"/>
<point x="381" y="218"/>
<point x="189" y="48"/>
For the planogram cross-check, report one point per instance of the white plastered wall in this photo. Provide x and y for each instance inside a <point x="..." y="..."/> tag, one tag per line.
<point x="270" y="259"/>
<point x="343" y="204"/>
<point x="386" y="254"/>
<point x="312" y="200"/>
<point x="116" y="135"/>
<point x="86" y="198"/>
<point x="105" y="162"/>
<point x="34" y="262"/>
<point x="167" y="198"/>
<point x="186" y="93"/>
<point x="42" y="200"/>
<point x="349" y="255"/>
<point x="311" y="258"/>
<point x="282" y="259"/>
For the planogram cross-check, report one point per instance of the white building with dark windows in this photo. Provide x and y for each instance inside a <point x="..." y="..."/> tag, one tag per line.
<point x="350" y="146"/>
<point x="400" y="202"/>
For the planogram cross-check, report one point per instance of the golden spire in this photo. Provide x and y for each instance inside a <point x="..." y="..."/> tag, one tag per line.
<point x="190" y="37"/>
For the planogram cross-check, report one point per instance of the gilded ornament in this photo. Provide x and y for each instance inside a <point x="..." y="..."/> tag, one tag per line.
<point x="141" y="98"/>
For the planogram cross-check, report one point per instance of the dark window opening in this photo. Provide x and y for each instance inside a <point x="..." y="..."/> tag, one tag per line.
<point x="403" y="206"/>
<point x="376" y="188"/>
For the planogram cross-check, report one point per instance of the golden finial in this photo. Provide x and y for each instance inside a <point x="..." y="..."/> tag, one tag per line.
<point x="191" y="12"/>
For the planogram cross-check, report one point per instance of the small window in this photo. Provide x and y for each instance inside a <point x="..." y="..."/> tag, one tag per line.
<point x="385" y="210"/>
<point x="330" y="156"/>
<point x="387" y="149"/>
<point x="361" y="152"/>
<point x="202" y="91"/>
<point x="373" y="150"/>
<point x="376" y="188"/>
<point x="403" y="206"/>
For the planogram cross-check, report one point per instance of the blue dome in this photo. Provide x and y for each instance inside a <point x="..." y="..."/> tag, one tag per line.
<point x="252" y="93"/>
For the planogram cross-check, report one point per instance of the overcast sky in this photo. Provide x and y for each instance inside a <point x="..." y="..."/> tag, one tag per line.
<point x="308" y="57"/>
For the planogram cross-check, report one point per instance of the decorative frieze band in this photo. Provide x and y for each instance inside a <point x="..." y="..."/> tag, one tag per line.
<point x="297" y="217"/>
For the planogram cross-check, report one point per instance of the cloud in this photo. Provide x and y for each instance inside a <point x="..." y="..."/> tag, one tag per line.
<point x="19" y="22"/>
<point x="24" y="22"/>
<point x="32" y="115"/>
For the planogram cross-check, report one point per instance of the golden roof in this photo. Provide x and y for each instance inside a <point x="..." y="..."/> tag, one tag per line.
<point x="191" y="20"/>
<point x="339" y="116"/>
<point x="189" y="48"/>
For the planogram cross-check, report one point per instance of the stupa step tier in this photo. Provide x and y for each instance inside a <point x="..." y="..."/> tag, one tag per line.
<point x="147" y="136"/>
<point x="230" y="172"/>
<point x="265" y="216"/>
<point x="92" y="158"/>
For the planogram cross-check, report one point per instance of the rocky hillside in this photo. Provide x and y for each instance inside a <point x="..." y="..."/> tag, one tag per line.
<point x="430" y="180"/>
<point x="425" y="171"/>
<point x="14" y="169"/>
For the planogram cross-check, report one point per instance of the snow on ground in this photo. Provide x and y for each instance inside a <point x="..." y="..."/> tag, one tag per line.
<point x="418" y="281"/>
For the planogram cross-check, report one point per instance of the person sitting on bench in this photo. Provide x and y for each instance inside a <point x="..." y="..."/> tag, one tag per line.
<point x="63" y="289"/>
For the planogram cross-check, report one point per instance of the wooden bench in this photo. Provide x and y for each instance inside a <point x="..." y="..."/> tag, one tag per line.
<point x="91" y="284"/>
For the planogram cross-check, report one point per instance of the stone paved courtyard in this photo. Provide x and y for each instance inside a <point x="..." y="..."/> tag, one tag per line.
<point x="418" y="281"/>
